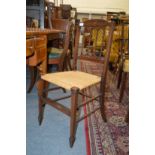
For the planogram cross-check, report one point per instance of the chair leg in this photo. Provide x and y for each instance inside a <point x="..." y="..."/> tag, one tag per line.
<point x="127" y="117"/>
<point x="33" y="75"/>
<point x="122" y="88"/>
<point x="101" y="100"/>
<point x="41" y="85"/>
<point x="73" y="124"/>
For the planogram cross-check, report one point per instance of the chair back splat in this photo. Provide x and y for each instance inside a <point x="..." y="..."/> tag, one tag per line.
<point x="96" y="42"/>
<point x="95" y="48"/>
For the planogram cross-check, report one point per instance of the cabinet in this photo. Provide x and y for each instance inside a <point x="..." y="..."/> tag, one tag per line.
<point x="35" y="10"/>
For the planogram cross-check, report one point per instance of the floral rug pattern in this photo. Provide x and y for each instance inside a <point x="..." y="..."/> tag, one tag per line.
<point x="111" y="137"/>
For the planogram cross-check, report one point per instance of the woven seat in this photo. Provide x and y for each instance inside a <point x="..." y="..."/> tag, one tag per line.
<point x="67" y="79"/>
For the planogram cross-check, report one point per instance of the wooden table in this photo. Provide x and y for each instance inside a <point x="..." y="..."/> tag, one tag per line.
<point x="39" y="31"/>
<point x="39" y="57"/>
<point x="36" y="32"/>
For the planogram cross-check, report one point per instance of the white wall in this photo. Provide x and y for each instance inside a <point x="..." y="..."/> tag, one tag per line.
<point x="98" y="6"/>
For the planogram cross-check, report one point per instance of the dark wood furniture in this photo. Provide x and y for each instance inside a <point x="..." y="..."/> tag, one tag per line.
<point x="115" y="16"/>
<point x="36" y="39"/>
<point x="62" y="12"/>
<point x="35" y="10"/>
<point x="124" y="47"/>
<point x="78" y="81"/>
<point x="123" y="62"/>
<point x="60" y="56"/>
<point x="31" y="32"/>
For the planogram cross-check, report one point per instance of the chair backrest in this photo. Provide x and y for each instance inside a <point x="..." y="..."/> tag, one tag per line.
<point x="65" y="11"/>
<point x="64" y="25"/>
<point x="96" y="37"/>
<point x="124" y="35"/>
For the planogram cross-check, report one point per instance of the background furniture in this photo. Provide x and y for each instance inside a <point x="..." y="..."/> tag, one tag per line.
<point x="124" y="48"/>
<point x="35" y="10"/>
<point x="60" y="55"/>
<point x="64" y="11"/>
<point x="37" y="46"/>
<point x="39" y="59"/>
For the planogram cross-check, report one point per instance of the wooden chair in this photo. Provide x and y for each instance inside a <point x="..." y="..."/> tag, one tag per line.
<point x="125" y="74"/>
<point x="123" y="61"/>
<point x="124" y="49"/>
<point x="62" y="12"/>
<point x="78" y="81"/>
<point x="60" y="55"/>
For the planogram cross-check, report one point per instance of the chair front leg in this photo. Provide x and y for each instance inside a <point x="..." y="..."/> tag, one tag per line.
<point x="73" y="124"/>
<point x="41" y="85"/>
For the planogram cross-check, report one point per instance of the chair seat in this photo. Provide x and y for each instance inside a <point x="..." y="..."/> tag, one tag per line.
<point x="55" y="50"/>
<point x="53" y="55"/>
<point x="71" y="79"/>
<point x="126" y="66"/>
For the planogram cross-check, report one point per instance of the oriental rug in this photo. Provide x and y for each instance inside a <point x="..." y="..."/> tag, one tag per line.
<point x="111" y="137"/>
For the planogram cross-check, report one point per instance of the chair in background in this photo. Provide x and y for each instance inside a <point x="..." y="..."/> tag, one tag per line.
<point x="124" y="49"/>
<point x="66" y="12"/>
<point x="114" y="16"/>
<point x="125" y="74"/>
<point x="122" y="72"/>
<point x="78" y="81"/>
<point x="60" y="55"/>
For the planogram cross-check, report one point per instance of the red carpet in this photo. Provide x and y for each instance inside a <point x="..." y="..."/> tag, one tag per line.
<point x="111" y="138"/>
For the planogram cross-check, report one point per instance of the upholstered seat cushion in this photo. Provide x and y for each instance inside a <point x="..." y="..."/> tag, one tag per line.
<point x="71" y="79"/>
<point x="54" y="50"/>
<point x="114" y="47"/>
<point x="126" y="66"/>
<point x="114" y="52"/>
<point x="54" y="53"/>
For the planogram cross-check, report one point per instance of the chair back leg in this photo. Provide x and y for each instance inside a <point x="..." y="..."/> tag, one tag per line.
<point x="101" y="99"/>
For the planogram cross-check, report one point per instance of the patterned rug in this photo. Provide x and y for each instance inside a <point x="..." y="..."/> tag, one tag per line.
<point x="111" y="138"/>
